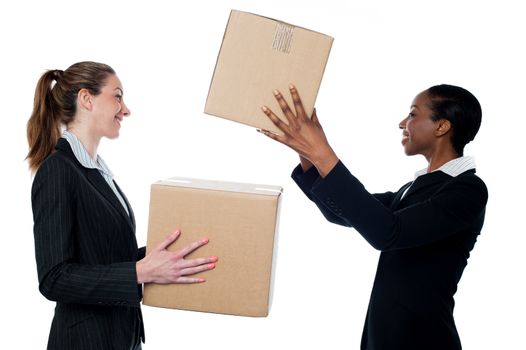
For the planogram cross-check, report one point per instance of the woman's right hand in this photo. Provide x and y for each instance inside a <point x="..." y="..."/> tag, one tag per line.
<point x="303" y="134"/>
<point x="164" y="267"/>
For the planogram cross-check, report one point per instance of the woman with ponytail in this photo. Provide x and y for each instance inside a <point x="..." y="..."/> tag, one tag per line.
<point x="87" y="256"/>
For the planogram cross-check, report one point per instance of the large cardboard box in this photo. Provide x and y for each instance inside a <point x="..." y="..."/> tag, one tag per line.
<point x="241" y="222"/>
<point x="258" y="55"/>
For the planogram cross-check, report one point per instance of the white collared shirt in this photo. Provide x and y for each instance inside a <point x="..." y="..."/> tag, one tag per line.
<point x="453" y="168"/>
<point x="86" y="161"/>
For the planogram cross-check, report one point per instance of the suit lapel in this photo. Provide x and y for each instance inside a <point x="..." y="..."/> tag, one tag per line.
<point x="399" y="194"/>
<point x="98" y="182"/>
<point x="96" y="179"/>
<point x="421" y="182"/>
<point x="130" y="210"/>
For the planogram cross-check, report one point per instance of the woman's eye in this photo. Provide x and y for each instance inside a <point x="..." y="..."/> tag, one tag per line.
<point x="411" y="115"/>
<point x="119" y="98"/>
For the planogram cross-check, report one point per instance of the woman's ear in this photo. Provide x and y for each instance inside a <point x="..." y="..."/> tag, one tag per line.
<point x="443" y="127"/>
<point x="84" y="100"/>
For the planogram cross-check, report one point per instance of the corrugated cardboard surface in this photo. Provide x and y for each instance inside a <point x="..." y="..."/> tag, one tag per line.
<point x="258" y="55"/>
<point x="240" y="220"/>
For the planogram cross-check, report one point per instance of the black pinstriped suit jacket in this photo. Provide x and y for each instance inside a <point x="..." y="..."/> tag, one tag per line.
<point x="86" y="252"/>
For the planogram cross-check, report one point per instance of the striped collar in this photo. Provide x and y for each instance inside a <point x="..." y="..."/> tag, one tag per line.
<point x="454" y="167"/>
<point x="83" y="156"/>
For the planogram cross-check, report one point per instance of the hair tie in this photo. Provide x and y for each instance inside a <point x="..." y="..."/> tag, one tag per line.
<point x="57" y="74"/>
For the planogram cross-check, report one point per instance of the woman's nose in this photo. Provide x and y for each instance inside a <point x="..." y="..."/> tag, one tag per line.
<point x="401" y="125"/>
<point x="125" y="110"/>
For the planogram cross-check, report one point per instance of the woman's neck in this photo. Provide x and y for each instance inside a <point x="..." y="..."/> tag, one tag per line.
<point x="88" y="140"/>
<point x="437" y="160"/>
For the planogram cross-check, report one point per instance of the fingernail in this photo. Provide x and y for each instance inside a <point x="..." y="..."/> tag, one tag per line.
<point x="201" y="280"/>
<point x="276" y="93"/>
<point x="211" y="266"/>
<point x="264" y="109"/>
<point x="291" y="87"/>
<point x="214" y="258"/>
<point x="205" y="240"/>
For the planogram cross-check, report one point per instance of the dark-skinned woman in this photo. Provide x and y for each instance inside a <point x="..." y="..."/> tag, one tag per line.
<point x="424" y="231"/>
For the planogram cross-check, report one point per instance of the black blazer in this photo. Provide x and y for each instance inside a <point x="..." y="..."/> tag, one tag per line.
<point x="425" y="239"/>
<point x="86" y="252"/>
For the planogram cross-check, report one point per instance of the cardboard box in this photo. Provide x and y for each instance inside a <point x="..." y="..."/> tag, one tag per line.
<point x="259" y="55"/>
<point x="241" y="222"/>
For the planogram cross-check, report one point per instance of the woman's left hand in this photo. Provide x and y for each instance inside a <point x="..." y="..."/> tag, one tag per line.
<point x="303" y="134"/>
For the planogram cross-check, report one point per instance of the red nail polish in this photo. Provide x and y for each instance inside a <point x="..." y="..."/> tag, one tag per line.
<point x="205" y="240"/>
<point x="211" y="266"/>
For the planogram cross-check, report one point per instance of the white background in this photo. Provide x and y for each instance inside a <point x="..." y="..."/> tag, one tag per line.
<point x="384" y="53"/>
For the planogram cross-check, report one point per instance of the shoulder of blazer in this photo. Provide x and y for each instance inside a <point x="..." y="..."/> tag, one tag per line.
<point x="62" y="160"/>
<point x="469" y="183"/>
<point x="439" y="183"/>
<point x="64" y="151"/>
<point x="470" y="176"/>
<point x="56" y="177"/>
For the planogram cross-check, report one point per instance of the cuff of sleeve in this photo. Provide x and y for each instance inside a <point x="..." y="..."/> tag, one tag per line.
<point x="305" y="179"/>
<point x="141" y="253"/>
<point x="132" y="291"/>
<point x="332" y="177"/>
<point x="339" y="180"/>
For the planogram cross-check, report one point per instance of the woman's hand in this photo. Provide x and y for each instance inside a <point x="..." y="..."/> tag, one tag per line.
<point x="162" y="266"/>
<point x="303" y="134"/>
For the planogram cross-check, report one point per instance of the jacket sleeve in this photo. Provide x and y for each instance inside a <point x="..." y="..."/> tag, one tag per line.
<point x="305" y="181"/>
<point x="61" y="277"/>
<point x="453" y="209"/>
